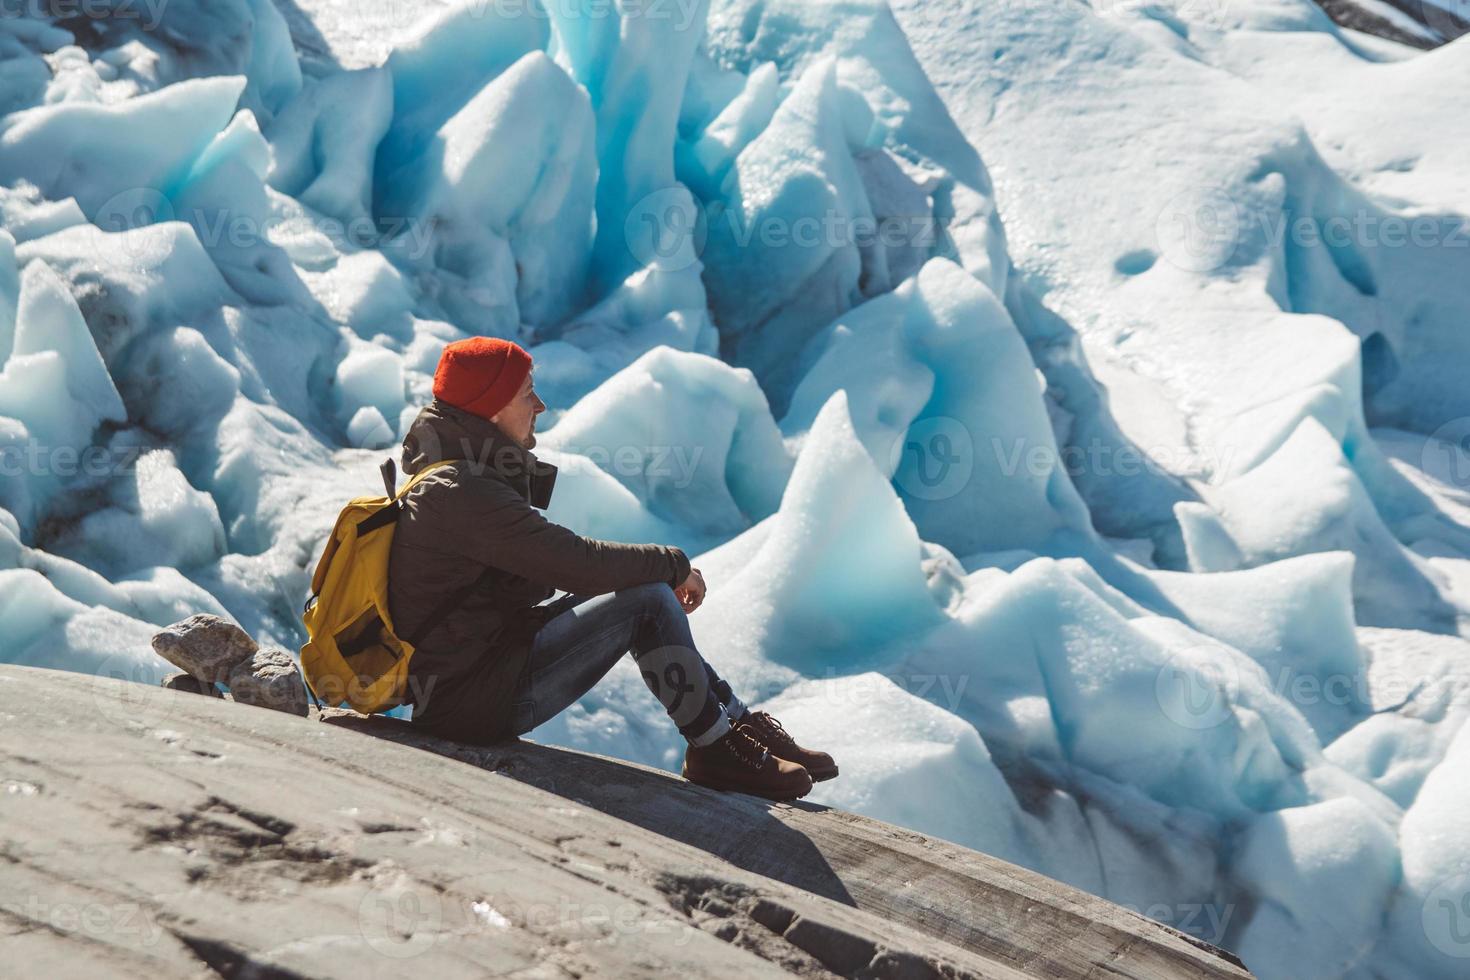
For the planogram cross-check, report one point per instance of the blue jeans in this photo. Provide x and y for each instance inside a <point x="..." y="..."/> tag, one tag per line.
<point x="577" y="648"/>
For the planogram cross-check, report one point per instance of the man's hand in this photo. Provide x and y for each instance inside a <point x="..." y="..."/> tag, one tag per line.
<point x="691" y="593"/>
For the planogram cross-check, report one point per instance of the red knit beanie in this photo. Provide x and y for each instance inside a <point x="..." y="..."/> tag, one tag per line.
<point x="481" y="375"/>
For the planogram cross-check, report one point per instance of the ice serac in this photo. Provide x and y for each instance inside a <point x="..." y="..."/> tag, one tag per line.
<point x="1322" y="876"/>
<point x="1306" y="498"/>
<point x="117" y="153"/>
<point x="947" y="400"/>
<point x="324" y="141"/>
<point x="653" y="307"/>
<point x="874" y="57"/>
<point x="1418" y="685"/>
<point x="49" y="321"/>
<point x="900" y="751"/>
<point x="690" y="436"/>
<point x="502" y="199"/>
<point x="159" y="45"/>
<point x="131" y="282"/>
<point x="55" y="390"/>
<point x="225" y="198"/>
<point x="1295" y="618"/>
<point x="1176" y="712"/>
<point x="178" y="384"/>
<point x="46" y="628"/>
<point x="592" y="500"/>
<point x="709" y="157"/>
<point x="1059" y="670"/>
<point x="634" y="64"/>
<point x="1427" y="919"/>
<point x="152" y="517"/>
<point x="274" y="72"/>
<point x="836" y="573"/>
<point x="370" y="377"/>
<point x="782" y="259"/>
<point x="481" y="41"/>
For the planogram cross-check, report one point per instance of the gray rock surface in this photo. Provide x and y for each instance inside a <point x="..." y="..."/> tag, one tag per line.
<point x="201" y="839"/>
<point x="269" y="679"/>
<point x="204" y="646"/>
<point x="191" y="684"/>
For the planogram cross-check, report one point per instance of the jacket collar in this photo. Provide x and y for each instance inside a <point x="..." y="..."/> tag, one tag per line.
<point x="443" y="431"/>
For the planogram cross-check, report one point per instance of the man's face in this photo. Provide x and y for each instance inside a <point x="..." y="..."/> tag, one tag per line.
<point x="518" y="419"/>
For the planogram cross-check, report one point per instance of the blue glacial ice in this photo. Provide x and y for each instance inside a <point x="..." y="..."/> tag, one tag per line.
<point x="1124" y="543"/>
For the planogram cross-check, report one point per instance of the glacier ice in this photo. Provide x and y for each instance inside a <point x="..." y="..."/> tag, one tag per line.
<point x="505" y="224"/>
<point x="48" y="321"/>
<point x="781" y="258"/>
<point x="324" y="141"/>
<point x="1323" y="873"/>
<point x="907" y="755"/>
<point x="1127" y="547"/>
<point x="110" y="170"/>
<point x="718" y="471"/>
<point x="935" y="427"/>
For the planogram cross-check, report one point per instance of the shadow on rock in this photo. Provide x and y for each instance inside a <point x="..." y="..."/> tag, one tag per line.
<point x="740" y="829"/>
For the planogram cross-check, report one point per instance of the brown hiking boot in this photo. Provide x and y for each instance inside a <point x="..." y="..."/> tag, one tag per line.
<point x="739" y="763"/>
<point x="768" y="732"/>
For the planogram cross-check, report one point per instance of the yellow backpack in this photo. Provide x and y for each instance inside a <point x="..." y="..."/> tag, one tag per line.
<point x="353" y="653"/>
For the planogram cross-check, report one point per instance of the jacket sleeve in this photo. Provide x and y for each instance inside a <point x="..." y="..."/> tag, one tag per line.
<point x="494" y="525"/>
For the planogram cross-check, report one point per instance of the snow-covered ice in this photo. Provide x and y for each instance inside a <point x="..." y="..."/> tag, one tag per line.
<point x="1064" y="401"/>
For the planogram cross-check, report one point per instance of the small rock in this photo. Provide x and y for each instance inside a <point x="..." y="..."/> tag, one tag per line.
<point x="192" y="684"/>
<point x="269" y="679"/>
<point x="204" y="646"/>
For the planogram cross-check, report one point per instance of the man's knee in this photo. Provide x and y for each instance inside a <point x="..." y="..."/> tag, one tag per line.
<point x="656" y="597"/>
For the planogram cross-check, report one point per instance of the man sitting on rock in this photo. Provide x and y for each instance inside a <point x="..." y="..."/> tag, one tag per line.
<point x="473" y="560"/>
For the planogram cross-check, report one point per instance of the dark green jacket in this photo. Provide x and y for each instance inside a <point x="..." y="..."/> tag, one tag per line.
<point x="475" y="525"/>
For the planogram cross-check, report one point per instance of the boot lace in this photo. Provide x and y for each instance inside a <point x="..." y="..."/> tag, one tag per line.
<point x="770" y="731"/>
<point x="747" y="749"/>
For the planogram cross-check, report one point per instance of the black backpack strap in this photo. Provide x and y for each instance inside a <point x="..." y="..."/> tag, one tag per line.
<point x="390" y="476"/>
<point x="382" y="518"/>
